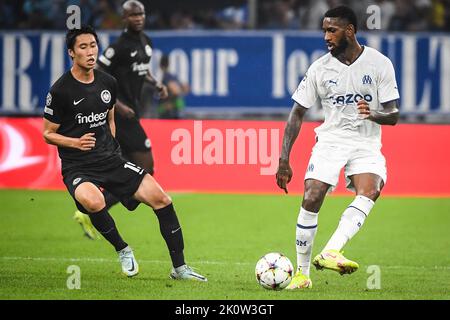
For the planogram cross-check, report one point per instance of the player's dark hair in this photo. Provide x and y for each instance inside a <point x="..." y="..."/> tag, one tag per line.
<point x="164" y="62"/>
<point x="72" y="35"/>
<point x="343" y="12"/>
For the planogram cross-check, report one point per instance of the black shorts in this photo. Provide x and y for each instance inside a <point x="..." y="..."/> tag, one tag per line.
<point x="120" y="177"/>
<point x="131" y="136"/>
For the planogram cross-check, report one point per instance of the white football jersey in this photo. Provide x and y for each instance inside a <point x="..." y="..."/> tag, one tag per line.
<point x="339" y="87"/>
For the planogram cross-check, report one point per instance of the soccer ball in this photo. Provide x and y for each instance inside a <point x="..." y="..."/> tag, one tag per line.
<point x="274" y="271"/>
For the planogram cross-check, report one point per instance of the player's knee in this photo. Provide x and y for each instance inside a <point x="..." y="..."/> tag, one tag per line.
<point x="312" y="200"/>
<point x="161" y="200"/>
<point x="93" y="204"/>
<point x="371" y="193"/>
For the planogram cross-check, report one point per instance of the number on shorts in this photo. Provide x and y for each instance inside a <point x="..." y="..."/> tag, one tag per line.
<point x="132" y="166"/>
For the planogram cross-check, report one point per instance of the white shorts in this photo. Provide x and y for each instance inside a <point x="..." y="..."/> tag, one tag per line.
<point x="327" y="160"/>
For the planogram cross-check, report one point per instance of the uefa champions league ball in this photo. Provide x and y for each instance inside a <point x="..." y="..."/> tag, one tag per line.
<point x="274" y="271"/>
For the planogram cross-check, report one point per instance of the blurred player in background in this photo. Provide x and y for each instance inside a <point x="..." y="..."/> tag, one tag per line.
<point x="358" y="91"/>
<point x="128" y="60"/>
<point x="170" y="107"/>
<point x="79" y="119"/>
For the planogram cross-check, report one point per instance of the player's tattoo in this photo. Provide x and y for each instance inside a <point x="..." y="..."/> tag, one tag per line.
<point x="292" y="129"/>
<point x="389" y="115"/>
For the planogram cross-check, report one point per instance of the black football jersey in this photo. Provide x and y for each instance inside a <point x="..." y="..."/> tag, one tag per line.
<point x="128" y="60"/>
<point x="80" y="108"/>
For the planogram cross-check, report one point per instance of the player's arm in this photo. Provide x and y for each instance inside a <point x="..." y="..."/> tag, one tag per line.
<point x="84" y="143"/>
<point x="161" y="88"/>
<point x="389" y="115"/>
<point x="175" y="88"/>
<point x="294" y="123"/>
<point x="112" y="124"/>
<point x="124" y="110"/>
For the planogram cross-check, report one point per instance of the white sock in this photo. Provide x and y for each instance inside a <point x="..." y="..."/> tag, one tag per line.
<point x="351" y="221"/>
<point x="305" y="233"/>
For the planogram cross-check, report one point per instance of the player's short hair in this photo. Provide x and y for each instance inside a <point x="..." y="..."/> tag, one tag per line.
<point x="72" y="35"/>
<point x="343" y="12"/>
<point x="131" y="3"/>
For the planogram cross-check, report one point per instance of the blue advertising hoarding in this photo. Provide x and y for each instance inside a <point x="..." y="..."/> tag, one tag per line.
<point x="231" y="70"/>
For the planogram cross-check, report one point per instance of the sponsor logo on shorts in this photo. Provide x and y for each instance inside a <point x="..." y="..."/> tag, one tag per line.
<point x="76" y="181"/>
<point x="311" y="167"/>
<point x="147" y="143"/>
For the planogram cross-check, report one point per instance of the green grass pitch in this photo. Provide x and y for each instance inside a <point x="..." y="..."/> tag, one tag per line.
<point x="225" y="235"/>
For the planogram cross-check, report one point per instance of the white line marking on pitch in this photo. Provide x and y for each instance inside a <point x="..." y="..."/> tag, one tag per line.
<point x="101" y="260"/>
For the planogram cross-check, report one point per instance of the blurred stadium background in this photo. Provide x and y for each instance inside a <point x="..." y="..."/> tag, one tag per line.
<point x="219" y="47"/>
<point x="241" y="60"/>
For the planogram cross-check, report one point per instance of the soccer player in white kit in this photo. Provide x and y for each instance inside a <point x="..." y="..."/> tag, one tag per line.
<point x="357" y="89"/>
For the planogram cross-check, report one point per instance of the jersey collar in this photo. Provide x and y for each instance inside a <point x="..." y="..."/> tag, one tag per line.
<point x="360" y="54"/>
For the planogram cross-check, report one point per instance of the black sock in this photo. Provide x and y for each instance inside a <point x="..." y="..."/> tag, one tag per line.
<point x="104" y="223"/>
<point x="110" y="200"/>
<point x="171" y="232"/>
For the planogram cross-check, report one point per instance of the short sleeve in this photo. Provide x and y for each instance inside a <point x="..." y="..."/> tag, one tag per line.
<point x="53" y="107"/>
<point x="306" y="93"/>
<point x="108" y="59"/>
<point x="387" y="84"/>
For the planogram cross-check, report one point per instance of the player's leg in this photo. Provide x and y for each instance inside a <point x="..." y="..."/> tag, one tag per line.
<point x="365" y="173"/>
<point x="151" y="193"/>
<point x="91" y="199"/>
<point x="143" y="159"/>
<point x="136" y="148"/>
<point x="322" y="175"/>
<point x="313" y="197"/>
<point x="86" y="225"/>
<point x="135" y="144"/>
<point x="368" y="187"/>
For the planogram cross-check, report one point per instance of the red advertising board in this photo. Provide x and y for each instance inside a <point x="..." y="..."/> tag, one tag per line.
<point x="233" y="156"/>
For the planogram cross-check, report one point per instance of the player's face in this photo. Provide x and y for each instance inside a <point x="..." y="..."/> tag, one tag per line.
<point x="85" y="51"/>
<point x="135" y="18"/>
<point x="335" y="35"/>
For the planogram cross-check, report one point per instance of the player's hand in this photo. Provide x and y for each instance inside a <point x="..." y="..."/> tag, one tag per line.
<point x="87" y="142"/>
<point x="163" y="93"/>
<point x="126" y="112"/>
<point x="363" y="109"/>
<point x="284" y="174"/>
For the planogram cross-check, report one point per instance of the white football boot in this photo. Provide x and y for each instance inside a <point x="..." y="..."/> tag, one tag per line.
<point x="130" y="267"/>
<point x="185" y="272"/>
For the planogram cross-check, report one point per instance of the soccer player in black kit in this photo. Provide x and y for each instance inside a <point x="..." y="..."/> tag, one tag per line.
<point x="128" y="60"/>
<point x="79" y="120"/>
